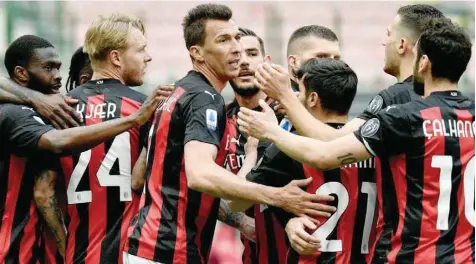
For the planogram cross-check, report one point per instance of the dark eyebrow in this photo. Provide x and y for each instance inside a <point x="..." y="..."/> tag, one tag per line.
<point x="251" y="49"/>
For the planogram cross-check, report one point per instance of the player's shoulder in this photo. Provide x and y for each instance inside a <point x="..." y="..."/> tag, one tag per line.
<point x="399" y="93"/>
<point x="15" y="111"/>
<point x="132" y="94"/>
<point x="198" y="90"/>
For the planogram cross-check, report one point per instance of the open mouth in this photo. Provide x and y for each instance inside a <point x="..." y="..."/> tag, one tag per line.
<point x="245" y="73"/>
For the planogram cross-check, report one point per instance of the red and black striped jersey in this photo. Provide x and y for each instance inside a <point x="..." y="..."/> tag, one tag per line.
<point x="234" y="143"/>
<point x="20" y="231"/>
<point x="176" y="224"/>
<point x="399" y="93"/>
<point x="430" y="147"/>
<point x="101" y="202"/>
<point x="348" y="236"/>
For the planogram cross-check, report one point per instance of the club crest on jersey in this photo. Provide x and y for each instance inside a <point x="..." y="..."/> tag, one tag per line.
<point x="376" y="104"/>
<point x="211" y="119"/>
<point x="370" y="127"/>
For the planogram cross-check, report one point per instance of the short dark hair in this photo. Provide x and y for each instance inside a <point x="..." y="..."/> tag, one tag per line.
<point x="80" y="64"/>
<point x="311" y="30"/>
<point x="195" y="21"/>
<point x="448" y="48"/>
<point x="249" y="32"/>
<point x="21" y="50"/>
<point x="333" y="80"/>
<point x="413" y="18"/>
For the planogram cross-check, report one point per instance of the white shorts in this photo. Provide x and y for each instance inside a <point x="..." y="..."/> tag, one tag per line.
<point x="131" y="259"/>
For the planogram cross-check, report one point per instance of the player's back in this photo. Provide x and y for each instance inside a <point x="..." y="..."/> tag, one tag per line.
<point x="176" y="224"/>
<point x="430" y="146"/>
<point x="348" y="236"/>
<point x="101" y="202"/>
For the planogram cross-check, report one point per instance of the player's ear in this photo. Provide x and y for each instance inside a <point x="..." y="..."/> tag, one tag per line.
<point x="21" y="74"/>
<point x="84" y="78"/>
<point x="403" y="45"/>
<point x="115" y="58"/>
<point x="424" y="64"/>
<point x="196" y="52"/>
<point x="292" y="61"/>
<point x="267" y="59"/>
<point x="312" y="100"/>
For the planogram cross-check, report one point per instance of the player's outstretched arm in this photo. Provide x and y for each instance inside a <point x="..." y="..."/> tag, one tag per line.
<point x="274" y="81"/>
<point x="82" y="138"/>
<point x="204" y="175"/>
<point x="138" y="172"/>
<point x="55" y="108"/>
<point x="46" y="202"/>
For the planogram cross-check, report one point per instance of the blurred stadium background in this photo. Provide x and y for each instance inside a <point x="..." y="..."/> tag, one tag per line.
<point x="360" y="26"/>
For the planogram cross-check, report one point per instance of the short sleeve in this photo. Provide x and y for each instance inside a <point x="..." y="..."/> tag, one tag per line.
<point x="378" y="103"/>
<point x="22" y="127"/>
<point x="275" y="169"/>
<point x="387" y="134"/>
<point x="205" y="119"/>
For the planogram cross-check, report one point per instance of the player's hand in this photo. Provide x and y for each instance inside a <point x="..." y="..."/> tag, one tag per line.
<point x="299" y="202"/>
<point x="56" y="108"/>
<point x="299" y="238"/>
<point x="247" y="228"/>
<point x="279" y="108"/>
<point x="144" y="113"/>
<point x="165" y="90"/>
<point x="259" y="125"/>
<point x="272" y="79"/>
<point x="251" y="146"/>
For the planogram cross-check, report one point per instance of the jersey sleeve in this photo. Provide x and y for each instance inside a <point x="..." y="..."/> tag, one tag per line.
<point x="21" y="128"/>
<point x="275" y="169"/>
<point x="205" y="119"/>
<point x="387" y="134"/>
<point x="376" y="104"/>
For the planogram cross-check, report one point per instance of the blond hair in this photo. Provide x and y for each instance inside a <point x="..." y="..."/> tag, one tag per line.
<point x="108" y="33"/>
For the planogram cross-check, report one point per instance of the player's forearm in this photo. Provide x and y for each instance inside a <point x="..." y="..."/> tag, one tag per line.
<point x="78" y="139"/>
<point x="304" y="122"/>
<point x="227" y="216"/>
<point x="13" y="93"/>
<point x="218" y="182"/>
<point x="47" y="204"/>
<point x="248" y="164"/>
<point x="239" y="205"/>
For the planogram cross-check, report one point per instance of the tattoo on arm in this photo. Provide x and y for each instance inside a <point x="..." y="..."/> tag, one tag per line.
<point x="228" y="217"/>
<point x="347" y="159"/>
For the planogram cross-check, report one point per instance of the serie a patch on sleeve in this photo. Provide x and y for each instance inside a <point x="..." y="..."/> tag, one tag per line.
<point x="212" y="117"/>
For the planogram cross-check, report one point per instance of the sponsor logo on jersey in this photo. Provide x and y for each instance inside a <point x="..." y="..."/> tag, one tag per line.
<point x="212" y="117"/>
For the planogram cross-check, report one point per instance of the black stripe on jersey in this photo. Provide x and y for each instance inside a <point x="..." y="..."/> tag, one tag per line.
<point x="4" y="168"/>
<point x="331" y="176"/>
<point x="472" y="244"/>
<point x="110" y="244"/>
<point x="270" y="238"/>
<point x="190" y="215"/>
<point x="205" y="238"/>
<point x="445" y="248"/>
<point x="414" y="204"/>
<point x="22" y="210"/>
<point x="141" y="217"/>
<point x="365" y="174"/>
<point x="81" y="238"/>
<point x="170" y="195"/>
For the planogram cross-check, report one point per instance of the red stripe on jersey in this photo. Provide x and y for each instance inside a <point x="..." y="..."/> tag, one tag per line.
<point x="280" y="237"/>
<point x="246" y="251"/>
<point x="464" y="229"/>
<point x="426" y="250"/>
<point x="230" y="145"/>
<point x="67" y="166"/>
<point x="181" y="239"/>
<point x="398" y="166"/>
<point x="29" y="236"/>
<point x="51" y="248"/>
<point x="15" y="178"/>
<point x="98" y="205"/>
<point x="261" y="237"/>
<point x="128" y="107"/>
<point x="150" y="230"/>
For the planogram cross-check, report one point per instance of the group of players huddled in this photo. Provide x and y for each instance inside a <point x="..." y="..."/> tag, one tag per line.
<point x="106" y="175"/>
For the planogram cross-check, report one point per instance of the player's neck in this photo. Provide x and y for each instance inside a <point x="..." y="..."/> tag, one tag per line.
<point x="405" y="71"/>
<point x="327" y="117"/>
<point x="291" y="75"/>
<point x="438" y="85"/>
<point x="250" y="102"/>
<point x="107" y="74"/>
<point x="218" y="84"/>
